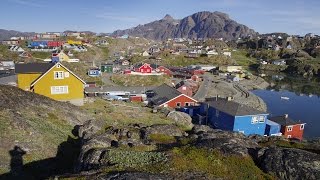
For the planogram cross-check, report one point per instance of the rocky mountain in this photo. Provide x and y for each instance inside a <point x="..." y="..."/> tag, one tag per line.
<point x="199" y="25"/>
<point x="7" y="34"/>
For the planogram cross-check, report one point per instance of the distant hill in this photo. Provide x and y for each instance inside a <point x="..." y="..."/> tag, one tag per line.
<point x="199" y="25"/>
<point x="7" y="34"/>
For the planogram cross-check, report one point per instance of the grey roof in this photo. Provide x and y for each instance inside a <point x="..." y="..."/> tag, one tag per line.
<point x="233" y="108"/>
<point x="284" y="121"/>
<point x="8" y="80"/>
<point x="163" y="94"/>
<point x="33" y="67"/>
<point x="105" y="89"/>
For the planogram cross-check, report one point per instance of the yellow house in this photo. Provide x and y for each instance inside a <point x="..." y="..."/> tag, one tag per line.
<point x="74" y="42"/>
<point x="52" y="80"/>
<point x="63" y="56"/>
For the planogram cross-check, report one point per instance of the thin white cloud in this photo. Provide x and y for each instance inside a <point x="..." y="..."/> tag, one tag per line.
<point x="28" y="3"/>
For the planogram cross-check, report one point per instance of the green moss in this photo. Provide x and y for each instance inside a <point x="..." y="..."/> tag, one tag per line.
<point x="214" y="164"/>
<point x="162" y="138"/>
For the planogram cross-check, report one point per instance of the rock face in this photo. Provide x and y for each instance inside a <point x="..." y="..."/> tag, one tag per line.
<point x="199" y="25"/>
<point x="181" y="118"/>
<point x="95" y="149"/>
<point x="290" y="163"/>
<point x="224" y="141"/>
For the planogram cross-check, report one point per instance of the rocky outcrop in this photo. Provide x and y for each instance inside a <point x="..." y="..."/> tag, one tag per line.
<point x="181" y="119"/>
<point x="96" y="146"/>
<point x="227" y="142"/>
<point x="290" y="163"/>
<point x="199" y="25"/>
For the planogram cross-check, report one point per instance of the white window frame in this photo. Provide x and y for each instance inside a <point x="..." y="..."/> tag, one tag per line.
<point x="59" y="73"/>
<point x="187" y="104"/>
<point x="254" y="119"/>
<point x="289" y="136"/>
<point x="301" y="126"/>
<point x="178" y="103"/>
<point x="59" y="89"/>
<point x="289" y="128"/>
<point x="261" y="119"/>
<point x="66" y="74"/>
<point x="58" y="66"/>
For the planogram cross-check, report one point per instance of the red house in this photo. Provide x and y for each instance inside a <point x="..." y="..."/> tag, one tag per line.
<point x="289" y="128"/>
<point x="143" y="68"/>
<point x="161" y="69"/>
<point x="166" y="96"/>
<point x="184" y="88"/>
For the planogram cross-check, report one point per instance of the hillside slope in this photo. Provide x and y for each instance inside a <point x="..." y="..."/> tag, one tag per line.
<point x="7" y="34"/>
<point x="199" y="25"/>
<point x="35" y="123"/>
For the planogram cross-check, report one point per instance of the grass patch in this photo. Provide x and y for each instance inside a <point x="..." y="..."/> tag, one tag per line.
<point x="162" y="138"/>
<point x="120" y="114"/>
<point x="241" y="58"/>
<point x="214" y="164"/>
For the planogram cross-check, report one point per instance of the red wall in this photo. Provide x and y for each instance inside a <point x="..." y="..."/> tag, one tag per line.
<point x="145" y="69"/>
<point x="136" y="98"/>
<point x="182" y="99"/>
<point x="295" y="133"/>
<point x="165" y="70"/>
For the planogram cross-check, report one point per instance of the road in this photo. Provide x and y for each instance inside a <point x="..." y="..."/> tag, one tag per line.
<point x="203" y="89"/>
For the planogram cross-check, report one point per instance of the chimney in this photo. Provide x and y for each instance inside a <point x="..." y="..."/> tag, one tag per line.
<point x="286" y="116"/>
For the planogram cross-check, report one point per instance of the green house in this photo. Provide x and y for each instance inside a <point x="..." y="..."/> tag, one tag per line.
<point x="108" y="68"/>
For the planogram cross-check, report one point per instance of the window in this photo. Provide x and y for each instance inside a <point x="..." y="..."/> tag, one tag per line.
<point x="187" y="104"/>
<point x="184" y="88"/>
<point x="58" y="65"/>
<point x="66" y="74"/>
<point x="178" y="104"/>
<point x="148" y="70"/>
<point x="261" y="119"/>
<point x="217" y="113"/>
<point x="301" y="126"/>
<point x="289" y="128"/>
<point x="58" y="75"/>
<point x="191" y="104"/>
<point x="59" y="90"/>
<point x="254" y="120"/>
<point x="142" y="70"/>
<point x="289" y="136"/>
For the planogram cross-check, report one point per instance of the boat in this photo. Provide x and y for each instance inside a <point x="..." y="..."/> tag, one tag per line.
<point x="285" y="98"/>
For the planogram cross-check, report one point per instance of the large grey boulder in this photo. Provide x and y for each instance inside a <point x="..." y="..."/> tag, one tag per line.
<point x="290" y="164"/>
<point x="181" y="119"/>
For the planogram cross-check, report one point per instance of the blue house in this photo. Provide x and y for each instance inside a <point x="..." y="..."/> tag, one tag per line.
<point x="272" y="128"/>
<point x="231" y="116"/>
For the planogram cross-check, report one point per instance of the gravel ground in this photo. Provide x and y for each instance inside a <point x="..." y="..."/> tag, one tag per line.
<point x="221" y="87"/>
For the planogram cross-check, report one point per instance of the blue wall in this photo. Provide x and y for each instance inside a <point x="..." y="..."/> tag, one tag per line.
<point x="220" y="120"/>
<point x="243" y="123"/>
<point x="272" y="128"/>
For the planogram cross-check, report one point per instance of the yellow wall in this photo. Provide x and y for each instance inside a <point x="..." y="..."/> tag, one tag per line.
<point x="25" y="80"/>
<point x="63" y="57"/>
<point x="75" y="86"/>
<point x="74" y="42"/>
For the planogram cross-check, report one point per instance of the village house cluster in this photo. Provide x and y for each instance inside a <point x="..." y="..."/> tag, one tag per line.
<point x="52" y="79"/>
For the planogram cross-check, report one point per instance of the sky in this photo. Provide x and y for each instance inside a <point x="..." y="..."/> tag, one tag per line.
<point x="290" y="16"/>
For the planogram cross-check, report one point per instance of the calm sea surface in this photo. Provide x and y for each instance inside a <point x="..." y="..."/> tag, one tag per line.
<point x="305" y="108"/>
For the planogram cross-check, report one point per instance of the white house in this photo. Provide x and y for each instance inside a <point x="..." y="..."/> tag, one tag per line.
<point x="145" y="53"/>
<point x="227" y="54"/>
<point x="212" y="53"/>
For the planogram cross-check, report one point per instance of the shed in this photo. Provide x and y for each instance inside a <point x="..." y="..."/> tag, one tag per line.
<point x="108" y="68"/>
<point x="94" y="72"/>
<point x="272" y="128"/>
